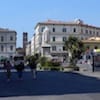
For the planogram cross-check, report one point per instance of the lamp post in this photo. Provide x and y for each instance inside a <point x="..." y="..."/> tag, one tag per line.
<point x="93" y="63"/>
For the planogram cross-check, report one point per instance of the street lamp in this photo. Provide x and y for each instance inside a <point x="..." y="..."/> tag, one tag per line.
<point x="93" y="55"/>
<point x="93" y="63"/>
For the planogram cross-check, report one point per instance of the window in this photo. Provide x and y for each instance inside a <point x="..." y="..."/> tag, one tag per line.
<point x="90" y="32"/>
<point x="2" y="38"/>
<point x="82" y="38"/>
<point x="53" y="48"/>
<point x="74" y="30"/>
<point x="11" y="48"/>
<point x="42" y="29"/>
<point x="97" y="33"/>
<point x="93" y="32"/>
<point x="64" y="48"/>
<point x="53" y="39"/>
<point x="53" y="29"/>
<point x="64" y="30"/>
<point x="64" y="38"/>
<point x="86" y="31"/>
<point x="11" y="38"/>
<point x="81" y="30"/>
<point x="2" y="48"/>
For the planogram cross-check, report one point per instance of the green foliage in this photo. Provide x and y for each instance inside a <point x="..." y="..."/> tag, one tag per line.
<point x="43" y="61"/>
<point x="75" y="47"/>
<point x="55" y="63"/>
<point x="49" y="64"/>
<point x="55" y="68"/>
<point x="37" y="56"/>
<point x="27" y="58"/>
<point x="31" y="59"/>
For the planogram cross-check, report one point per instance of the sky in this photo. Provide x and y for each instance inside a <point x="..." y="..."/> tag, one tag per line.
<point x="23" y="15"/>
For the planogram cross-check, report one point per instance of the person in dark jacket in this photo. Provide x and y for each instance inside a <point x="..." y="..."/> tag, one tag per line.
<point x="32" y="65"/>
<point x="7" y="66"/>
<point x="20" y="68"/>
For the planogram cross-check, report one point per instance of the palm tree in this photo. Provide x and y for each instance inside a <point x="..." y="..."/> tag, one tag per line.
<point x="75" y="47"/>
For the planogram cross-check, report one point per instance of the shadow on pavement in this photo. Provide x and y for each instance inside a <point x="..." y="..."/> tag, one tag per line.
<point x="48" y="83"/>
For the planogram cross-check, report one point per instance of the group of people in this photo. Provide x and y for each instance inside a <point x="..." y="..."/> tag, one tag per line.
<point x="19" y="68"/>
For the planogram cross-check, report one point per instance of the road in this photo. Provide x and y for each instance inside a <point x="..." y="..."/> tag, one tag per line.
<point x="50" y="86"/>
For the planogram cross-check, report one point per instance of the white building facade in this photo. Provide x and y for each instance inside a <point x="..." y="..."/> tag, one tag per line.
<point x="7" y="43"/>
<point x="28" y="49"/>
<point x="32" y="45"/>
<point x="49" y="36"/>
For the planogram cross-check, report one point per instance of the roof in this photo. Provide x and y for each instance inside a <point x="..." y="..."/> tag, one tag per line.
<point x="77" y="22"/>
<point x="6" y="30"/>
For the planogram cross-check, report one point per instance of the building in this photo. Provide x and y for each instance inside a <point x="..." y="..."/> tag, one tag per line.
<point x="7" y="43"/>
<point x="33" y="45"/>
<point x="92" y="42"/>
<point x="25" y="41"/>
<point x="19" y="51"/>
<point x="50" y="35"/>
<point x="28" y="49"/>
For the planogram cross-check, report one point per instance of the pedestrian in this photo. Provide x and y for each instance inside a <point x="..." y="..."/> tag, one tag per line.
<point x="7" y="66"/>
<point x="20" y="68"/>
<point x="32" y="65"/>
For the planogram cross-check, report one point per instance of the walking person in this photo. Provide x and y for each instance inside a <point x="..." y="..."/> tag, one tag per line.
<point x="7" y="66"/>
<point x="20" y="68"/>
<point x="32" y="65"/>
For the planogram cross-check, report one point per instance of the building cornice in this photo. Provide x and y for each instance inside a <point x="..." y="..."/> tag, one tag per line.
<point x="7" y="30"/>
<point x="51" y="22"/>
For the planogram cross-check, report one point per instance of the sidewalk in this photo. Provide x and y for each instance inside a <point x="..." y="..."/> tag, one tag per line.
<point x="95" y="74"/>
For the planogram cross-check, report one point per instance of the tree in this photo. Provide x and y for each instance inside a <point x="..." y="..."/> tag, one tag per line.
<point x="75" y="48"/>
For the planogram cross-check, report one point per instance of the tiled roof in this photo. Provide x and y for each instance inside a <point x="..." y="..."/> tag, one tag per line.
<point x="75" y="22"/>
<point x="57" y="22"/>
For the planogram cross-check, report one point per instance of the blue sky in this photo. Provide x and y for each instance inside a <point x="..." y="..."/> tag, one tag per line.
<point x="23" y="15"/>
